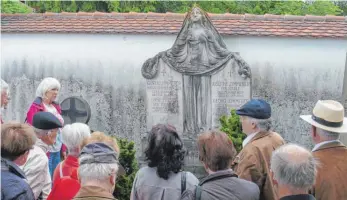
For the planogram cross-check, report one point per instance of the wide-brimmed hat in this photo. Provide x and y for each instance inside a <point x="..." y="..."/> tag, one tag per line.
<point x="328" y="115"/>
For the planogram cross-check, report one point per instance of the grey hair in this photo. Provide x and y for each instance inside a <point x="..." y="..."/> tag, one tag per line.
<point x="328" y="134"/>
<point x="40" y="132"/>
<point x="4" y="85"/>
<point x="95" y="171"/>
<point x="262" y="124"/>
<point x="47" y="84"/>
<point x="294" y="166"/>
<point x="72" y="135"/>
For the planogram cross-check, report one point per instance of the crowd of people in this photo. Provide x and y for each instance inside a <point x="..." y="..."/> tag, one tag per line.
<point x="43" y="158"/>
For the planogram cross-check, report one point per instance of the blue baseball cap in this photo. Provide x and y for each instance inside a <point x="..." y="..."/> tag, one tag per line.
<point x="255" y="108"/>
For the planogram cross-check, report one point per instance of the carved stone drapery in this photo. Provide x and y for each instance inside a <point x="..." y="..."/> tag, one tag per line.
<point x="198" y="53"/>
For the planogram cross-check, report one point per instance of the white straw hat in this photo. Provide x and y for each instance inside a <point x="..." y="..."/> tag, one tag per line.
<point x="328" y="115"/>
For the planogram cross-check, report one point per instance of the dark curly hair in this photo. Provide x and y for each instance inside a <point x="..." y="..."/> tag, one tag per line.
<point x="165" y="150"/>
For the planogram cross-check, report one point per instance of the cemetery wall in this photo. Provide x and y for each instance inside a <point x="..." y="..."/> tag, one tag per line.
<point x="291" y="73"/>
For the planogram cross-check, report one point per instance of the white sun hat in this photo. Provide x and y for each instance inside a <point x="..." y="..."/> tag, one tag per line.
<point x="328" y="115"/>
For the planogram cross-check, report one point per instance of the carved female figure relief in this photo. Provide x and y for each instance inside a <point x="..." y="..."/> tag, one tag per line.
<point x="197" y="53"/>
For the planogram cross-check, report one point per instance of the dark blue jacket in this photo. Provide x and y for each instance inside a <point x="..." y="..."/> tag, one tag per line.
<point x="13" y="184"/>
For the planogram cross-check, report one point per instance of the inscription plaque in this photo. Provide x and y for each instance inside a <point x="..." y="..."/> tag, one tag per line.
<point x="164" y="96"/>
<point x="229" y="91"/>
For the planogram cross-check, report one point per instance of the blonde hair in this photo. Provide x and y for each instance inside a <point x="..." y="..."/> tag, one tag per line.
<point x="16" y="139"/>
<point x="101" y="137"/>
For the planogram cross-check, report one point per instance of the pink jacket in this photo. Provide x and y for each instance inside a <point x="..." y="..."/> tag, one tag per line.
<point x="37" y="106"/>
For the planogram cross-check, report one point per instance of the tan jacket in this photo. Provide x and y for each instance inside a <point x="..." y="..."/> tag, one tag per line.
<point x="93" y="193"/>
<point x="331" y="179"/>
<point x="253" y="162"/>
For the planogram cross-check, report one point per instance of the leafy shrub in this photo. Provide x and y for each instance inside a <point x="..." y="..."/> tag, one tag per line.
<point x="128" y="160"/>
<point x="231" y="125"/>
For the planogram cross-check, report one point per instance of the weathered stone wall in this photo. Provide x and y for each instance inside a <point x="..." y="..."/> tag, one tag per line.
<point x="292" y="74"/>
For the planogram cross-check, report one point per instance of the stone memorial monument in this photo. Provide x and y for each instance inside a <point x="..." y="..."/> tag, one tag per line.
<point x="194" y="83"/>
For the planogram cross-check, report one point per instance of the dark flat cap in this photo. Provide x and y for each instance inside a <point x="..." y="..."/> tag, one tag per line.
<point x="101" y="153"/>
<point x="46" y="121"/>
<point x="255" y="108"/>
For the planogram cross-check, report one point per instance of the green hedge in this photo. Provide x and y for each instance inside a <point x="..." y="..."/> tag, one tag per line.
<point x="128" y="160"/>
<point x="231" y="125"/>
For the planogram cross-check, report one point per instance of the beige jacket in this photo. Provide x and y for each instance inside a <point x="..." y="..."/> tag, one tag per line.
<point x="253" y="162"/>
<point x="37" y="171"/>
<point x="331" y="179"/>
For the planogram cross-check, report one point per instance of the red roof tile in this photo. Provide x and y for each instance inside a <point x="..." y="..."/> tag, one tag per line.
<point x="170" y="23"/>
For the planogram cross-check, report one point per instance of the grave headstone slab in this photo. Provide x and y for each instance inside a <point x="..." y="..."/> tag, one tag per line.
<point x="229" y="91"/>
<point x="164" y="99"/>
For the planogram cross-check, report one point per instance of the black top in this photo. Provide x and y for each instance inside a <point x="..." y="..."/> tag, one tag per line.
<point x="299" y="197"/>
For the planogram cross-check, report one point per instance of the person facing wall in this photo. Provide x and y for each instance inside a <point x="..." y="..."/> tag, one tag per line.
<point x="216" y="152"/>
<point x="16" y="142"/>
<point x="327" y="123"/>
<point x="293" y="171"/>
<point x="36" y="167"/>
<point x="253" y="161"/>
<point x="163" y="179"/>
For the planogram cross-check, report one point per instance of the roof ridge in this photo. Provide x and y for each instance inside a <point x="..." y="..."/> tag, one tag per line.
<point x="168" y="15"/>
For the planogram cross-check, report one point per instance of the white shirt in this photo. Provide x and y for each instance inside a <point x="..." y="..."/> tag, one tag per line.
<point x="322" y="143"/>
<point x="248" y="138"/>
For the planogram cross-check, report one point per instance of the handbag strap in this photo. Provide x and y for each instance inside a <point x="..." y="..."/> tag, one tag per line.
<point x="61" y="169"/>
<point x="183" y="181"/>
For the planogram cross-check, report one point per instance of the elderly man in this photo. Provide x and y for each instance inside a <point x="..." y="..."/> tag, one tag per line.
<point x="252" y="163"/>
<point x="36" y="168"/>
<point x="97" y="171"/>
<point x="4" y="97"/>
<point x="293" y="170"/>
<point x="328" y="122"/>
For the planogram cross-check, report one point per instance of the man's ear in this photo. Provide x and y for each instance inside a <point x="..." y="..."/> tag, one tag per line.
<point x="314" y="131"/>
<point x="272" y="178"/>
<point x="113" y="179"/>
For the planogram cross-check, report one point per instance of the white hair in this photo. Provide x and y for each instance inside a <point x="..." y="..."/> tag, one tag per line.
<point x="47" y="84"/>
<point x="40" y="133"/>
<point x="262" y="124"/>
<point x="294" y="166"/>
<point x="72" y="135"/>
<point x="95" y="171"/>
<point x="329" y="135"/>
<point x="4" y="86"/>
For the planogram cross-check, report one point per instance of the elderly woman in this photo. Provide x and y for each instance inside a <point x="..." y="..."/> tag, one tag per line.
<point x="216" y="152"/>
<point x="163" y="178"/>
<point x="16" y="141"/>
<point x="46" y="94"/>
<point x="72" y="136"/>
<point x="67" y="187"/>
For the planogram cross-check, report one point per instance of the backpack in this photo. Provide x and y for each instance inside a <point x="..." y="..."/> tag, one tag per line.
<point x="198" y="189"/>
<point x="183" y="182"/>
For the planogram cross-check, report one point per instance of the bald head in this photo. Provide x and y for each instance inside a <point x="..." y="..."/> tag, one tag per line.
<point x="294" y="166"/>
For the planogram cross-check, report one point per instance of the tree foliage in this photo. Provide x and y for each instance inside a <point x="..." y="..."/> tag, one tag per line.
<point x="231" y="125"/>
<point x="8" y="6"/>
<point x="127" y="159"/>
<point x="238" y="7"/>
